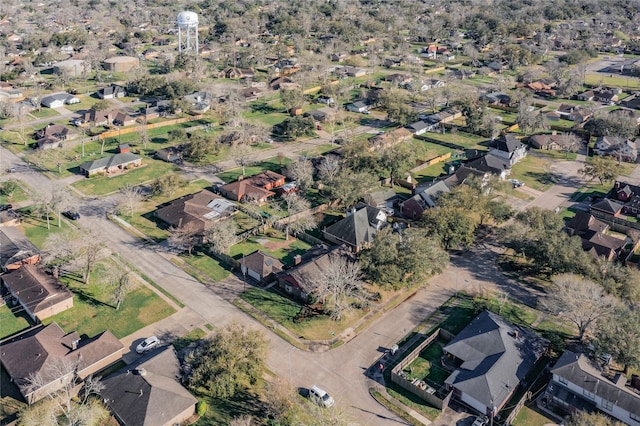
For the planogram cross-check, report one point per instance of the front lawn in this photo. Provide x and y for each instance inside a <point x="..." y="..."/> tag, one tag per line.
<point x="94" y="311"/>
<point x="102" y="185"/>
<point x="207" y="265"/>
<point x="529" y="416"/>
<point x="274" y="164"/>
<point x="35" y="228"/>
<point x="281" y="249"/>
<point x="45" y="113"/>
<point x="534" y="171"/>
<point x="17" y="194"/>
<point x="285" y="312"/>
<point x="612" y="80"/>
<point x="462" y="139"/>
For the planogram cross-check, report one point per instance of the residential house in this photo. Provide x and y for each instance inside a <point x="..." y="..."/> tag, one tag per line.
<point x="255" y="188"/>
<point x="460" y="74"/>
<point x="632" y="102"/>
<point x="390" y="139"/>
<point x="383" y="200"/>
<point x="543" y="87"/>
<point x="606" y="209"/>
<point x="40" y="351"/>
<point x="349" y="71"/>
<point x="628" y="194"/>
<point x="260" y="266"/>
<point x="358" y="229"/>
<point x="592" y="232"/>
<point x="122" y="119"/>
<point x="52" y="136"/>
<point x="358" y="106"/>
<point x="148" y="392"/>
<point x="113" y="164"/>
<point x="496" y="165"/>
<point x="17" y="250"/>
<point x="419" y="127"/>
<point x="112" y="92"/>
<point x="98" y="118"/>
<point x="9" y="218"/>
<point x="431" y="83"/>
<point x="58" y="100"/>
<point x="236" y="73"/>
<point x="200" y="101"/>
<point x="282" y="83"/>
<point x="496" y="98"/>
<point x="620" y="148"/>
<point x="491" y="358"/>
<point x="298" y="282"/>
<point x="41" y="295"/>
<point x="423" y="200"/>
<point x="10" y="94"/>
<point x="509" y="148"/>
<point x="250" y="93"/>
<point x="579" y="384"/>
<point x="555" y="142"/>
<point x="398" y="79"/>
<point x="496" y="66"/>
<point x="171" y="153"/>
<point x="606" y="96"/>
<point x="588" y="95"/>
<point x="196" y="212"/>
<point x="321" y="115"/>
<point x="573" y="112"/>
<point x="393" y="62"/>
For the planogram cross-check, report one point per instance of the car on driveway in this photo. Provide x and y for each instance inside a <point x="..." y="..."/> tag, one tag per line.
<point x="320" y="397"/>
<point x="480" y="421"/>
<point x="71" y="214"/>
<point x="148" y="344"/>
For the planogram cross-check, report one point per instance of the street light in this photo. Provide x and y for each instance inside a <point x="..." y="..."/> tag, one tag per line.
<point x="243" y="268"/>
<point x="290" y="350"/>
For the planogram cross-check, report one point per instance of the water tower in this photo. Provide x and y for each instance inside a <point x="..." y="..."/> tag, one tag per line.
<point x="188" y="32"/>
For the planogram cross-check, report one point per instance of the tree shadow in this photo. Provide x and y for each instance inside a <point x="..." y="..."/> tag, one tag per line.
<point x="88" y="298"/>
<point x="263" y="107"/>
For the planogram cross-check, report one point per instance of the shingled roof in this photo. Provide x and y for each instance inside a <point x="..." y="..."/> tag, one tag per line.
<point x="496" y="355"/>
<point x="148" y="393"/>
<point x="358" y="228"/>
<point x="16" y="247"/>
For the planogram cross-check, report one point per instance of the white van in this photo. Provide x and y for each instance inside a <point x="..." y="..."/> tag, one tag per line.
<point x="320" y="397"/>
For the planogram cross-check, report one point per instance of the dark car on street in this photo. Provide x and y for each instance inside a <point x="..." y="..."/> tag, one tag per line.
<point x="71" y="214"/>
<point x="4" y="207"/>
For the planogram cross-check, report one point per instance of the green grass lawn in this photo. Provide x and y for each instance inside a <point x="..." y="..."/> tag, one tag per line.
<point x="102" y="185"/>
<point x="427" y="366"/>
<point x="189" y="338"/>
<point x="206" y="265"/>
<point x="531" y="417"/>
<point x="534" y="171"/>
<point x="632" y="83"/>
<point x="274" y="164"/>
<point x="93" y="310"/>
<point x="35" y="228"/>
<point x="464" y="140"/>
<point x="10" y="322"/>
<point x="284" y="254"/>
<point x="45" y="113"/>
<point x="427" y="150"/>
<point x="18" y="194"/>
<point x="284" y="311"/>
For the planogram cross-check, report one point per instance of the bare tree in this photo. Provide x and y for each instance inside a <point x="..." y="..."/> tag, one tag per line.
<point x="329" y="168"/>
<point x="279" y="397"/>
<point x="302" y="172"/>
<point x="241" y="153"/>
<point x="183" y="239"/>
<point x="579" y="300"/>
<point x="337" y="286"/>
<point x="294" y="205"/>
<point x="244" y="420"/>
<point x="119" y="277"/>
<point x="58" y="249"/>
<point x="130" y="198"/>
<point x="57" y="381"/>
<point x="41" y="208"/>
<point x="89" y="249"/>
<point x="222" y="236"/>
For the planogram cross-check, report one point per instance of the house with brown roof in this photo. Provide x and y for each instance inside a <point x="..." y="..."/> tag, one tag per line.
<point x="298" y="282"/>
<point x="52" y="135"/>
<point x="40" y="294"/>
<point x="148" y="392"/>
<point x="390" y="138"/>
<point x="555" y="142"/>
<point x="113" y="164"/>
<point x="123" y="119"/>
<point x="260" y="266"/>
<point x="40" y="353"/>
<point x="17" y="249"/>
<point x="255" y="188"/>
<point x="196" y="212"/>
<point x="98" y="118"/>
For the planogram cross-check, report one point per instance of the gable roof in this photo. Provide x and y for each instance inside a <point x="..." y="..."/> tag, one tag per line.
<point x="195" y="210"/>
<point x="34" y="352"/>
<point x="496" y="355"/>
<point x="148" y="392"/>
<point x="262" y="263"/>
<point x="242" y="188"/>
<point x="111" y="161"/>
<point x="35" y="289"/>
<point x="509" y="143"/>
<point x="584" y="221"/>
<point x="359" y="227"/>
<point x="489" y="163"/>
<point x="16" y="247"/>
<point x="313" y="263"/>
<point x="579" y="370"/>
<point x="608" y="206"/>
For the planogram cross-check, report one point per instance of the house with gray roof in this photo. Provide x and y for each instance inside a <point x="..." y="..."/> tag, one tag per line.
<point x="492" y="357"/>
<point x="578" y="384"/>
<point x="490" y="163"/>
<point x="148" y="392"/>
<point x="40" y="351"/>
<point x="358" y="229"/>
<point x="423" y="200"/>
<point x="17" y="249"/>
<point x="111" y="92"/>
<point x="260" y="266"/>
<point x="57" y="100"/>
<point x="510" y="148"/>
<point x="113" y="164"/>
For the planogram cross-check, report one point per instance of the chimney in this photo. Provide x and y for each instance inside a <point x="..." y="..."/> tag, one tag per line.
<point x="74" y="344"/>
<point x="515" y="334"/>
<point x="297" y="259"/>
<point x="555" y="132"/>
<point x="140" y="392"/>
<point x="620" y="380"/>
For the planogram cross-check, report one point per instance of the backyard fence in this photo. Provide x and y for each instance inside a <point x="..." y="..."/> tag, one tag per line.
<point x="132" y="129"/>
<point x="439" y="398"/>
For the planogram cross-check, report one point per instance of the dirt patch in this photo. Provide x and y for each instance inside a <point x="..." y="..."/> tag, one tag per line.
<point x="277" y="245"/>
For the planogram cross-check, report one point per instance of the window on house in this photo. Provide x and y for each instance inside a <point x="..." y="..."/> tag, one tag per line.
<point x="588" y="394"/>
<point x="634" y="417"/>
<point x="563" y="380"/>
<point x="607" y="405"/>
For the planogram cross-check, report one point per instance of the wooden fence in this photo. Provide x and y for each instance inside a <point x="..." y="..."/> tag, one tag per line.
<point x="149" y="126"/>
<point x="431" y="162"/>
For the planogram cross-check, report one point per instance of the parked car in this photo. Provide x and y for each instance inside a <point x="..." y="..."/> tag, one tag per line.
<point x="71" y="214"/>
<point x="320" y="397"/>
<point x="516" y="183"/>
<point x="4" y="207"/>
<point x="480" y="421"/>
<point x="148" y="344"/>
